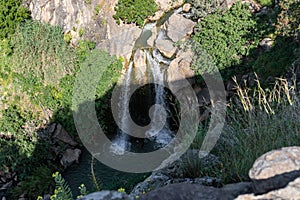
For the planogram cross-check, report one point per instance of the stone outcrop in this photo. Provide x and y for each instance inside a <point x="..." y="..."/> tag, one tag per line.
<point x="71" y="16"/>
<point x="283" y="163"/>
<point x="78" y="16"/>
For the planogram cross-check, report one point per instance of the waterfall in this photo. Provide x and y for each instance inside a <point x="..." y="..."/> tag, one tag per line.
<point x="163" y="136"/>
<point x="121" y="143"/>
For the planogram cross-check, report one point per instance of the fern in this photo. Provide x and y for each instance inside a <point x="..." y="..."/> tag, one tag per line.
<point x="62" y="191"/>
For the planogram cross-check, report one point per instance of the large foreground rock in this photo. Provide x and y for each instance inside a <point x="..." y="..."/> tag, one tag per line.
<point x="275" y="169"/>
<point x="106" y="195"/>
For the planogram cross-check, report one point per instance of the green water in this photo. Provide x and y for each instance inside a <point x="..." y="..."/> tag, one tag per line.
<point x="107" y="178"/>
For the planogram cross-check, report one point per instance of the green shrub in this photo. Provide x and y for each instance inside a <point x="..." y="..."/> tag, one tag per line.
<point x="201" y="8"/>
<point x="40" y="49"/>
<point x="134" y="11"/>
<point x="283" y="50"/>
<point x="11" y="14"/>
<point x="225" y="37"/>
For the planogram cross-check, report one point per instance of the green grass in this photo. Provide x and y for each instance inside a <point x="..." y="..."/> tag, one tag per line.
<point x="256" y="123"/>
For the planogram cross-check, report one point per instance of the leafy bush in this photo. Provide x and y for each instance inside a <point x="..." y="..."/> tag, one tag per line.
<point x="11" y="14"/>
<point x="266" y="2"/>
<point x="201" y="8"/>
<point x="225" y="37"/>
<point x="288" y="20"/>
<point x="40" y="49"/>
<point x="134" y="11"/>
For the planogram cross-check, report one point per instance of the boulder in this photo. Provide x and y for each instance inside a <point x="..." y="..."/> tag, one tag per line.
<point x="179" y="70"/>
<point x="275" y="169"/>
<point x="166" y="47"/>
<point x="178" y="27"/>
<point x="291" y="191"/>
<point x="62" y="135"/>
<point x="69" y="157"/>
<point x="183" y="191"/>
<point x="106" y="195"/>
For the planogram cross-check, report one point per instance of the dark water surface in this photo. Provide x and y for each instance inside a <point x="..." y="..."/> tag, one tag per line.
<point x="107" y="178"/>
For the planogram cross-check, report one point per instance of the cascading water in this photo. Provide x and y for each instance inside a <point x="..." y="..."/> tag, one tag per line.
<point x="163" y="136"/>
<point x="121" y="143"/>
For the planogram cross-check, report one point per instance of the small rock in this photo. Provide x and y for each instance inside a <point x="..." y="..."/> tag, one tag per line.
<point x="203" y="97"/>
<point x="69" y="157"/>
<point x="186" y="7"/>
<point x="266" y="44"/>
<point x="6" y="186"/>
<point x="62" y="135"/>
<point x="157" y="15"/>
<point x="263" y="11"/>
